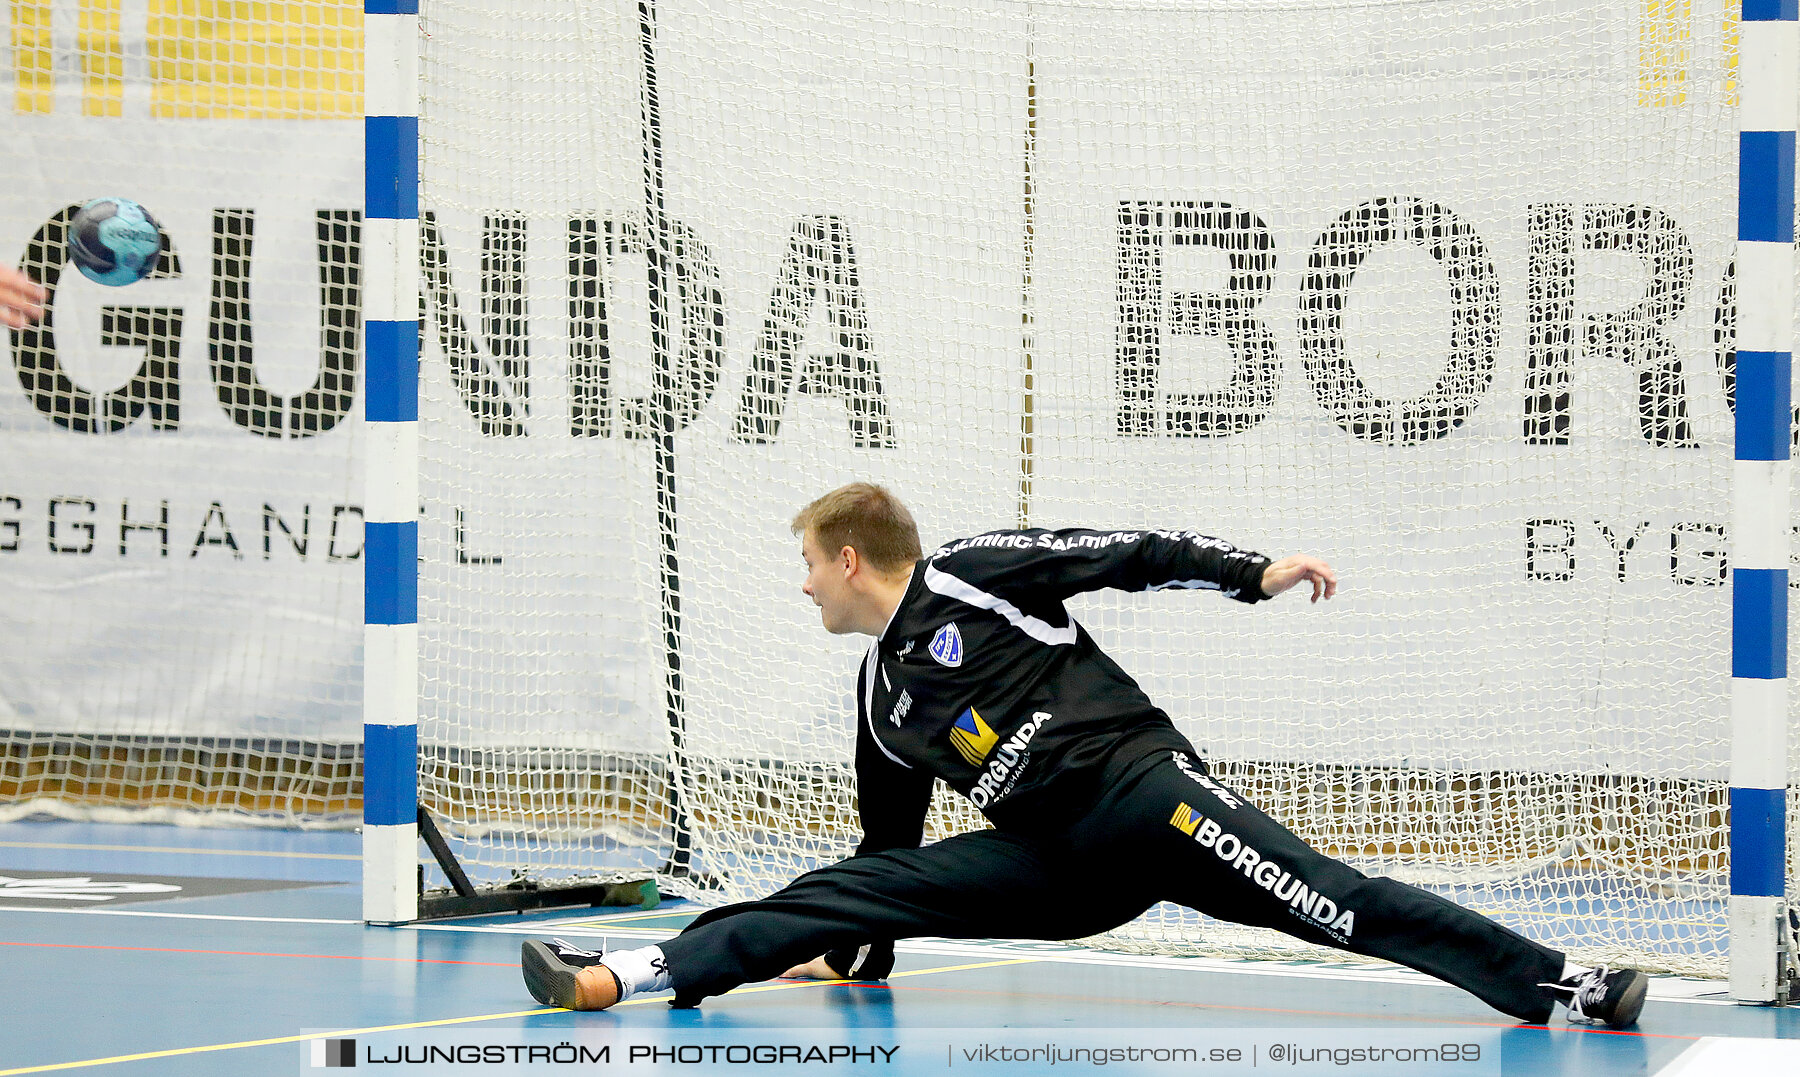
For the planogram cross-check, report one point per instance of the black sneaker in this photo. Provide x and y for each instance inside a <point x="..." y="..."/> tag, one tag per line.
<point x="1603" y="997"/>
<point x="553" y="975"/>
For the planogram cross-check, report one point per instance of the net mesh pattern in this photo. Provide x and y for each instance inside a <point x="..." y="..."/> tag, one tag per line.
<point x="1436" y="290"/>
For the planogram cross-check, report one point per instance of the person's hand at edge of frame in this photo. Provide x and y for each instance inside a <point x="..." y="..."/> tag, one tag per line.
<point x="21" y="298"/>
<point x="1289" y="571"/>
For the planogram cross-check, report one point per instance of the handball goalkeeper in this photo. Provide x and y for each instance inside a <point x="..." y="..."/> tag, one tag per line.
<point x="979" y="676"/>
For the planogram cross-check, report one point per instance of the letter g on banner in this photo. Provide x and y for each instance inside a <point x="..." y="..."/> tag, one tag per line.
<point x="1474" y="308"/>
<point x="155" y="389"/>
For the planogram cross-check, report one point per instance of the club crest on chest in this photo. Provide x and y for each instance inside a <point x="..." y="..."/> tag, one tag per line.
<point x="947" y="646"/>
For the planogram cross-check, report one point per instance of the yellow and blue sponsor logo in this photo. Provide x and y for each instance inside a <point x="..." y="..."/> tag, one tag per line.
<point x="1185" y="819"/>
<point x="973" y="738"/>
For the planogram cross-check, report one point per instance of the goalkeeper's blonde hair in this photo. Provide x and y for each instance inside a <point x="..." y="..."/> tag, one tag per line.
<point x="867" y="518"/>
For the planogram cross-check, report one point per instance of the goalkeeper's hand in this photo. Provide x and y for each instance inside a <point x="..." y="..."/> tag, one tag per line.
<point x="1285" y="573"/>
<point x="871" y="962"/>
<point x="816" y="969"/>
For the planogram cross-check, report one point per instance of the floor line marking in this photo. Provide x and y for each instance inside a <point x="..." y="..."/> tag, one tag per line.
<point x="255" y="953"/>
<point x="540" y="927"/>
<point x="1663" y="988"/>
<point x="1404" y="1019"/>
<point x="945" y="947"/>
<point x="303" y="1037"/>
<point x="186" y="915"/>
<point x="186" y="850"/>
<point x="792" y="985"/>
<point x="1684" y="1059"/>
<point x="606" y="919"/>
<point x="962" y="968"/>
<point x="1396" y="1018"/>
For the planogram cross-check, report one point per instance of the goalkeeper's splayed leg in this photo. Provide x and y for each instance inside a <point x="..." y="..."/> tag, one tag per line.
<point x="1081" y="774"/>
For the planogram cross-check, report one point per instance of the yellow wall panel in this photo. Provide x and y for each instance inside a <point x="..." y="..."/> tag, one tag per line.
<point x="34" y="75"/>
<point x="1733" y="20"/>
<point x="102" y="58"/>
<point x="1665" y="52"/>
<point x="238" y="59"/>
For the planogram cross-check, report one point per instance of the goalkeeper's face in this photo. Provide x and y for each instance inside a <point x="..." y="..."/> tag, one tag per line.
<point x="828" y="585"/>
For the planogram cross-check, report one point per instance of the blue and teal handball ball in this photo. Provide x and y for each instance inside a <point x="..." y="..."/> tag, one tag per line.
<point x="114" y="241"/>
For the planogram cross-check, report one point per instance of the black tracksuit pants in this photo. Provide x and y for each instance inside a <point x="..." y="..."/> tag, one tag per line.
<point x="1166" y="832"/>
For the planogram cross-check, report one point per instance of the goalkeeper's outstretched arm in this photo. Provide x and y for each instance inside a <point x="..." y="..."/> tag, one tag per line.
<point x="1036" y="566"/>
<point x="892" y="800"/>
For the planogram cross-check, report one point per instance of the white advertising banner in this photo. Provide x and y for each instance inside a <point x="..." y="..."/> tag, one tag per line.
<point x="180" y="522"/>
<point x="1428" y="291"/>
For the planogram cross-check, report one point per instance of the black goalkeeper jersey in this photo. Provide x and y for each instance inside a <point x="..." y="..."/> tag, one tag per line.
<point x="983" y="679"/>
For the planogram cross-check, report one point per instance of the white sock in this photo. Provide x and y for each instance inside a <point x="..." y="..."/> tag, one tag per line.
<point x="1572" y="970"/>
<point x="638" y="970"/>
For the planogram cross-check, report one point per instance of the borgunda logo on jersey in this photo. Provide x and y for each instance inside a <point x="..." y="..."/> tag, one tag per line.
<point x="946" y="646"/>
<point x="1302" y="900"/>
<point x="1007" y="762"/>
<point x="973" y="738"/>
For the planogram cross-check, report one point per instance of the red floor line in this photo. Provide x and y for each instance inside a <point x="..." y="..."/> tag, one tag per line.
<point x="253" y="953"/>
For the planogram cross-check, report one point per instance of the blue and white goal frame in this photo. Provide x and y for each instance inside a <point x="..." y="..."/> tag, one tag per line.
<point x="390" y="288"/>
<point x="1768" y="59"/>
<point x="393" y="822"/>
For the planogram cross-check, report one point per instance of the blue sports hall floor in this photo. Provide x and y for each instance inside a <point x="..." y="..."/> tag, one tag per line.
<point x="164" y="950"/>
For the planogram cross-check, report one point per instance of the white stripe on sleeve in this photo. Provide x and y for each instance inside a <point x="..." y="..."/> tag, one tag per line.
<point x="1038" y="629"/>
